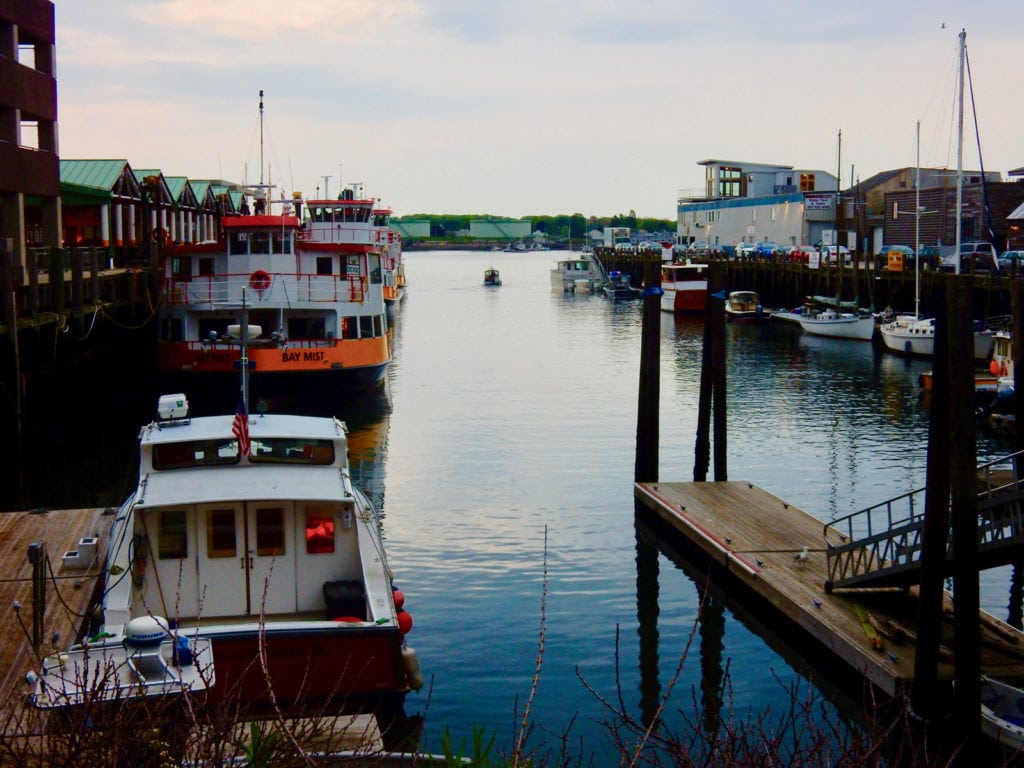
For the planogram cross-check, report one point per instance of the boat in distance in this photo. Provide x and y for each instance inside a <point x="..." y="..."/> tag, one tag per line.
<point x="619" y="288"/>
<point x="245" y="567"/>
<point x="492" y="277"/>
<point x="838" y="325"/>
<point x="684" y="287"/>
<point x="581" y="273"/>
<point x="745" y="307"/>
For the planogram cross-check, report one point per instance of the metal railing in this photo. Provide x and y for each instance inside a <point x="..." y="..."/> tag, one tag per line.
<point x="266" y="288"/>
<point x="880" y="546"/>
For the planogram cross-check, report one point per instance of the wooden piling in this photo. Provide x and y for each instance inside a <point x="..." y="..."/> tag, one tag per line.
<point x="648" y="401"/>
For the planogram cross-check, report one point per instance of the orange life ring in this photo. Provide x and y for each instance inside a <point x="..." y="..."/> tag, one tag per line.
<point x="993" y="367"/>
<point x="259" y="280"/>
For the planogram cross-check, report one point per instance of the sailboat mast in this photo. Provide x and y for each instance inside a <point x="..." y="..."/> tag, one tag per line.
<point x="960" y="145"/>
<point x="917" y="226"/>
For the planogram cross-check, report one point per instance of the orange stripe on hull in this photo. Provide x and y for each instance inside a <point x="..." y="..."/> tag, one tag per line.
<point x="346" y="353"/>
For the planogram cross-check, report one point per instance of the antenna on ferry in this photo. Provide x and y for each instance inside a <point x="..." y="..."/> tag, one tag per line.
<point x="261" y="137"/>
<point x="326" y="194"/>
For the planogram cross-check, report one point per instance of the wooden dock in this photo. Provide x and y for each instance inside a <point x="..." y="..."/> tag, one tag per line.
<point x="759" y="539"/>
<point x="70" y="584"/>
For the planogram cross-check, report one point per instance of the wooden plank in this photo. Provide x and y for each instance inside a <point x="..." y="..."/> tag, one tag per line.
<point x="69" y="589"/>
<point x="758" y="536"/>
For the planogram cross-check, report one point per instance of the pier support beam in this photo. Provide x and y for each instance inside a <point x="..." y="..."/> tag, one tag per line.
<point x="646" y="464"/>
<point x="712" y="382"/>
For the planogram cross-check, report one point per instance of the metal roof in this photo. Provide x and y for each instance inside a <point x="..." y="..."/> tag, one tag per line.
<point x="92" y="175"/>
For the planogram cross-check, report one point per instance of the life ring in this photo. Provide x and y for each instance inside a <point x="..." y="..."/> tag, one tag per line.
<point x="993" y="367"/>
<point x="259" y="280"/>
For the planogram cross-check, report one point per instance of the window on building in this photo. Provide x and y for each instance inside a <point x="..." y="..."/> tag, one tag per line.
<point x="730" y="182"/>
<point x="806" y="182"/>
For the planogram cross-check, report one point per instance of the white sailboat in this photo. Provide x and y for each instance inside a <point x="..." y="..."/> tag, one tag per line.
<point x="833" y="321"/>
<point x="913" y="335"/>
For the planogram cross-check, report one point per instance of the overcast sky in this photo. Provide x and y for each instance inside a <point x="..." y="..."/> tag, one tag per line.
<point x="519" y="107"/>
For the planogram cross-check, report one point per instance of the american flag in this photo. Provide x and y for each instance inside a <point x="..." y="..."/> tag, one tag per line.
<point x="240" y="427"/>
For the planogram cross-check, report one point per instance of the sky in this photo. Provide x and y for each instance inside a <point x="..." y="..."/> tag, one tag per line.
<point x="532" y="107"/>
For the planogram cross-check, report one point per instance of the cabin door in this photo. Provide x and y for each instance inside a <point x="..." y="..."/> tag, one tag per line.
<point x="246" y="559"/>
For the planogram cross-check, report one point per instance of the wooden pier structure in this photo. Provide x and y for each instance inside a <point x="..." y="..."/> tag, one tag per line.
<point x="759" y="539"/>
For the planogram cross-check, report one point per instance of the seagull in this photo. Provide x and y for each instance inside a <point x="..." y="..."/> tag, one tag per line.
<point x="817" y="603"/>
<point x="728" y="540"/>
<point x="760" y="563"/>
<point x="801" y="556"/>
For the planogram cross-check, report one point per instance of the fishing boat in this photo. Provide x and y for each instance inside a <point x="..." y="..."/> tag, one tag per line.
<point x="581" y="273"/>
<point x="684" y="287"/>
<point x="492" y="277"/>
<point x="313" y="275"/>
<point x="245" y="569"/>
<point x="618" y="287"/>
<point x="1002" y="712"/>
<point x="744" y="307"/>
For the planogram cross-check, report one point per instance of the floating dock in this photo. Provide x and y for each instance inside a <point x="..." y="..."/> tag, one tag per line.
<point x="761" y="539"/>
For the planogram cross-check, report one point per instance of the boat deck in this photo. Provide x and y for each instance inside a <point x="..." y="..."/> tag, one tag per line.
<point x="69" y="588"/>
<point x="759" y="539"/>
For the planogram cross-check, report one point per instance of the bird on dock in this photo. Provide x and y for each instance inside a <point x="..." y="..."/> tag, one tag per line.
<point x="801" y="556"/>
<point x="760" y="563"/>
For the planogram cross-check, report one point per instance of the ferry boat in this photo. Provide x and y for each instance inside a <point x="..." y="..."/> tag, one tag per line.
<point x="313" y="278"/>
<point x="392" y="266"/>
<point x="684" y="287"/>
<point x="245" y="570"/>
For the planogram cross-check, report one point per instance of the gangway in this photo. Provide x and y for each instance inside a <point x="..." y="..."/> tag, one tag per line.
<point x="881" y="546"/>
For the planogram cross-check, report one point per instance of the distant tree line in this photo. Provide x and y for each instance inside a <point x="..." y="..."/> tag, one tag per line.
<point x="563" y="225"/>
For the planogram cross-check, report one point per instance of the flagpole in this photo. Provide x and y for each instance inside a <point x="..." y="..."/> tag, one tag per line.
<point x="244" y="361"/>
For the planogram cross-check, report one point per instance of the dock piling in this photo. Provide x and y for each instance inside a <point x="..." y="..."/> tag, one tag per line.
<point x="646" y="463"/>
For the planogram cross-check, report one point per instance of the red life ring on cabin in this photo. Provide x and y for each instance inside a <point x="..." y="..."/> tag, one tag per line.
<point x="259" y="280"/>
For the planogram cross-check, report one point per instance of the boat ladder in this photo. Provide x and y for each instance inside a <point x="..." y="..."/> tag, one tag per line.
<point x="881" y="546"/>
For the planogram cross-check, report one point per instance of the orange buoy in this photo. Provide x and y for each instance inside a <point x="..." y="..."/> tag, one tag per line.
<point x="399" y="597"/>
<point x="404" y="622"/>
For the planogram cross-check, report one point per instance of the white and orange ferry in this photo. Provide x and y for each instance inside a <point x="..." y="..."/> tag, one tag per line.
<point x="315" y="279"/>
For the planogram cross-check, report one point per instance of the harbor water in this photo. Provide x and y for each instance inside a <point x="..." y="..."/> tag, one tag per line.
<point x="501" y="453"/>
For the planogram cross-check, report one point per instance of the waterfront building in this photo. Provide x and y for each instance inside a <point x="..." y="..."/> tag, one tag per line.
<point x="29" y="173"/>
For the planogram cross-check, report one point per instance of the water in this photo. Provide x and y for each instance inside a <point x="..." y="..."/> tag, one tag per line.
<point x="502" y="456"/>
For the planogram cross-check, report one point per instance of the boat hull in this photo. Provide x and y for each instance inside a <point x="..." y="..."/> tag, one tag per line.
<point x="686" y="299"/>
<point x="919" y="340"/>
<point x="846" y="327"/>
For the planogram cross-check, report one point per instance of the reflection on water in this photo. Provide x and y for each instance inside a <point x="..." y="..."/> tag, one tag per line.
<point x="510" y="420"/>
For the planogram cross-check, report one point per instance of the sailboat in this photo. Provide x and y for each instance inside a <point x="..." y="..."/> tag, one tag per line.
<point x="833" y="321"/>
<point x="913" y="335"/>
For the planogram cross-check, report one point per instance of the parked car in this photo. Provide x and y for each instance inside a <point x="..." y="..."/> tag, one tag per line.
<point x="930" y="256"/>
<point x="698" y="245"/>
<point x="1011" y="261"/>
<point x="904" y="251"/>
<point x="974" y="257"/>
<point x="744" y="250"/>
<point x="830" y="254"/>
<point x="764" y="250"/>
<point x="802" y="253"/>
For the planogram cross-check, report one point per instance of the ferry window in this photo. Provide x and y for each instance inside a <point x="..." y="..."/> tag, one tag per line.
<point x="365" y="327"/>
<point x="172" y="535"/>
<point x="181" y="268"/>
<point x="378" y="325"/>
<point x="352" y="265"/>
<point x="319" y="531"/>
<point x="221" y="540"/>
<point x="270" y="531"/>
<point x="206" y="267"/>
<point x="238" y="242"/>
<point x="281" y="242"/>
<point x="259" y="242"/>
<point x="348" y="328"/>
<point x="324" y="265"/>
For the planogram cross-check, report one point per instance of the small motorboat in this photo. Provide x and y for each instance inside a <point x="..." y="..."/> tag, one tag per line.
<point x="1002" y="712"/>
<point x="618" y="287"/>
<point x="492" y="277"/>
<point x="745" y="307"/>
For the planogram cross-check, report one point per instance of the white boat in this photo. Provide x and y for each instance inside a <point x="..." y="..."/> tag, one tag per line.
<point x="245" y="565"/>
<point x="581" y="273"/>
<point x="684" y="287"/>
<point x="744" y="307"/>
<point x="1002" y="712"/>
<point x="838" y="325"/>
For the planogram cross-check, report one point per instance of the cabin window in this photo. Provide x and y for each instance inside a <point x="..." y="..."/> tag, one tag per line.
<point x="348" y="328"/>
<point x="378" y="325"/>
<point x="319" y="531"/>
<point x="238" y="243"/>
<point x="365" y="327"/>
<point x="270" y="531"/>
<point x="286" y="450"/>
<point x="194" y="453"/>
<point x="206" y="267"/>
<point x="324" y="265"/>
<point x="259" y="242"/>
<point x="221" y="540"/>
<point x="172" y="535"/>
<point x="352" y="267"/>
<point x="181" y="268"/>
<point x="281" y="242"/>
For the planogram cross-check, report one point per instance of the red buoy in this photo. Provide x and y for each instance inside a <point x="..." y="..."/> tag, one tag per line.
<point x="404" y="622"/>
<point x="399" y="597"/>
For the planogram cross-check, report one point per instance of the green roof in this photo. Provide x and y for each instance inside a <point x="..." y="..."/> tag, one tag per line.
<point x="91" y="175"/>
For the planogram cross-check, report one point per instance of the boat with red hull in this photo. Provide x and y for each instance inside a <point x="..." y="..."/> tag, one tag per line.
<point x="246" y="569"/>
<point x="684" y="287"/>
